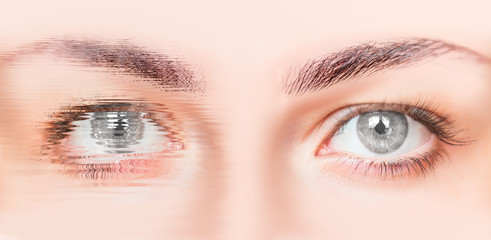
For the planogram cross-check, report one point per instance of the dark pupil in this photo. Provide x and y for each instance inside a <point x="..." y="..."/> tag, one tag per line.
<point x="120" y="126"/>
<point x="380" y="127"/>
<point x="382" y="131"/>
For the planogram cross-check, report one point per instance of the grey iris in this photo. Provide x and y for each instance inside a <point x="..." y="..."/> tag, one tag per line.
<point x="382" y="131"/>
<point x="117" y="130"/>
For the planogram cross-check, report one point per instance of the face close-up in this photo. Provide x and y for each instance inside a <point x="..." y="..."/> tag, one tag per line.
<point x="245" y="120"/>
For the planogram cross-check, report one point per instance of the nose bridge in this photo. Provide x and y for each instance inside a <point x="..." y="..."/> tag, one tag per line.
<point x="248" y="107"/>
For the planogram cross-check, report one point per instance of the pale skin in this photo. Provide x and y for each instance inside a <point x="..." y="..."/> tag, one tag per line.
<point x="250" y="168"/>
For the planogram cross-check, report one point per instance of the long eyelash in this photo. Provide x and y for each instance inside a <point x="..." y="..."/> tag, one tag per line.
<point x="440" y="125"/>
<point x="430" y="115"/>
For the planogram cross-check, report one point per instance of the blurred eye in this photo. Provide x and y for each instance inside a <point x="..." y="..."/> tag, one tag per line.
<point x="114" y="140"/>
<point x="113" y="132"/>
<point x="122" y="132"/>
<point x="385" y="141"/>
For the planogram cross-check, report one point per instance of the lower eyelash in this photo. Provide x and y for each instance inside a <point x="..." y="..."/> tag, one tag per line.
<point x="126" y="169"/>
<point x="420" y="165"/>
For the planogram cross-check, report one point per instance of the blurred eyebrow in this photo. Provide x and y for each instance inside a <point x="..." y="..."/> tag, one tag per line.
<point x="365" y="59"/>
<point x="171" y="74"/>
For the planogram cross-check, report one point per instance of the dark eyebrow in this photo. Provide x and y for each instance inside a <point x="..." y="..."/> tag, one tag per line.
<point x="366" y="59"/>
<point x="170" y="74"/>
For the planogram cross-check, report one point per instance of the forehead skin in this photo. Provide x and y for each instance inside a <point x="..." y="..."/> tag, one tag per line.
<point x="249" y="26"/>
<point x="247" y="37"/>
<point x="246" y="47"/>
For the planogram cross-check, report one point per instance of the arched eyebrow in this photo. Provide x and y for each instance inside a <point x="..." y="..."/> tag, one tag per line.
<point x="365" y="59"/>
<point x="170" y="74"/>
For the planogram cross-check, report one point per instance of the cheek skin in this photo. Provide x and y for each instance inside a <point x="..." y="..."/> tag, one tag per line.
<point x="466" y="177"/>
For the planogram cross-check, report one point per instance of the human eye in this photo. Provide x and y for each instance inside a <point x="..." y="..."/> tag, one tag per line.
<point x="386" y="142"/>
<point x="113" y="139"/>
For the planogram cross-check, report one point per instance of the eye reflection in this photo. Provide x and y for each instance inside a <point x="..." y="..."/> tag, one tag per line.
<point x="113" y="140"/>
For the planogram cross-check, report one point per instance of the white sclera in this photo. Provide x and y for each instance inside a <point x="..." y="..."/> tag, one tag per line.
<point x="346" y="140"/>
<point x="154" y="138"/>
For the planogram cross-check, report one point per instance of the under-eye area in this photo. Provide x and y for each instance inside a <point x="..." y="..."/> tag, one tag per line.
<point x="113" y="139"/>
<point x="386" y="142"/>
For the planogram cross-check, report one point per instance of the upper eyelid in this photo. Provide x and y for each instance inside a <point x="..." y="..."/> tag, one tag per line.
<point x="356" y="109"/>
<point x="109" y="105"/>
<point x="71" y="112"/>
<point x="106" y="106"/>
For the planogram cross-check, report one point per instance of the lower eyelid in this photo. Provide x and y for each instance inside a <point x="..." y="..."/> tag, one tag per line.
<point x="125" y="169"/>
<point x="404" y="169"/>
